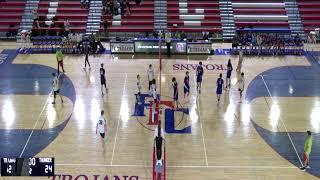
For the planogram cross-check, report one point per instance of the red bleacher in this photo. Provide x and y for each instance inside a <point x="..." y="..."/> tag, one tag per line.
<point x="11" y="13"/>
<point x="310" y="14"/>
<point x="195" y="16"/>
<point x="252" y="14"/>
<point x="70" y="9"/>
<point x="141" y="19"/>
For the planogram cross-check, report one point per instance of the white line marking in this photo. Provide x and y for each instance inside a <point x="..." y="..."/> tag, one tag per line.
<point x="283" y="123"/>
<point x="204" y="144"/>
<point x="213" y="73"/>
<point x="115" y="138"/>
<point x="176" y="166"/>
<point x="43" y="108"/>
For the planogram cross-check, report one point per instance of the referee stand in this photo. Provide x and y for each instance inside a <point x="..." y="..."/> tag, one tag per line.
<point x="159" y="171"/>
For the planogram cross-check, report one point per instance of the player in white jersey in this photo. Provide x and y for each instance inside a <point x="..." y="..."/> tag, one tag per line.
<point x="55" y="87"/>
<point x="241" y="84"/>
<point x="154" y="89"/>
<point x="150" y="73"/>
<point x="139" y="90"/>
<point x="139" y="83"/>
<point x="101" y="125"/>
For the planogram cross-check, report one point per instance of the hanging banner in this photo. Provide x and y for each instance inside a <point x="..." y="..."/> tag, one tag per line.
<point x="199" y="48"/>
<point x="122" y="47"/>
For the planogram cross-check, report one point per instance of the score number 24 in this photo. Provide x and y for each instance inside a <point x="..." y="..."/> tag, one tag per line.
<point x="32" y="162"/>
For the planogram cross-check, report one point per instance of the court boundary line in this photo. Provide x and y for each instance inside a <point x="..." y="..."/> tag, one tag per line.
<point x="182" y="166"/>
<point x="282" y="122"/>
<point x="202" y="134"/>
<point x="39" y="116"/>
<point x="115" y="137"/>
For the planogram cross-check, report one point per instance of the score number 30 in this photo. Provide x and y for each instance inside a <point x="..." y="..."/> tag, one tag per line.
<point x="32" y="162"/>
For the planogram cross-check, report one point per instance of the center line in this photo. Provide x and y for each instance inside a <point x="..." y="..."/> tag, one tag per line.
<point x="115" y="138"/>
<point x="204" y="144"/>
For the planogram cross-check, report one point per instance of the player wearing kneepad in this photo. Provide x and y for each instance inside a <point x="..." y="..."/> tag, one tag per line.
<point x="219" y="87"/>
<point x="56" y="89"/>
<point x="229" y="71"/>
<point x="199" y="74"/>
<point x="103" y="79"/>
<point x="175" y="93"/>
<point x="186" y="87"/>
<point x="101" y="125"/>
<point x="241" y="84"/>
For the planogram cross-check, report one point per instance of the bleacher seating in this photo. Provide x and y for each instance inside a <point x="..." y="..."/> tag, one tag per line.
<point x="310" y="14"/>
<point x="194" y="16"/>
<point x="262" y="15"/>
<point x="141" y="19"/>
<point x="70" y="9"/>
<point x="187" y="16"/>
<point x="10" y="14"/>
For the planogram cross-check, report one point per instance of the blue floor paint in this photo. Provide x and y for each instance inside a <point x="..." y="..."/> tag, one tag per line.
<point x="305" y="82"/>
<point x="21" y="79"/>
<point x="139" y="108"/>
<point x="281" y="143"/>
<point x="170" y="122"/>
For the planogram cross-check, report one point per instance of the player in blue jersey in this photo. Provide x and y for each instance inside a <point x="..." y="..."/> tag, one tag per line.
<point x="199" y="74"/>
<point x="229" y="71"/>
<point x="186" y="87"/>
<point x="219" y="87"/>
<point x="175" y="93"/>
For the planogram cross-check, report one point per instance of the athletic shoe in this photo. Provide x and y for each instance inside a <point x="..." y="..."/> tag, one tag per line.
<point x="308" y="167"/>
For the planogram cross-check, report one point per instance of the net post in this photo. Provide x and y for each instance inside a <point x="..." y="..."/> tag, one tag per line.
<point x="153" y="164"/>
<point x="164" y="162"/>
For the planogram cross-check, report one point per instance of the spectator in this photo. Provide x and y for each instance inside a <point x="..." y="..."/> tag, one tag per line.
<point x="66" y="25"/>
<point x="183" y="35"/>
<point x="116" y="6"/>
<point x="138" y="2"/>
<point x="155" y="34"/>
<point x="35" y="14"/>
<point x="128" y="6"/>
<point x="205" y="35"/>
<point x="110" y="3"/>
<point x="177" y="35"/>
<point x="12" y="31"/>
<point x="87" y="4"/>
<point x="105" y="27"/>
<point x="83" y="3"/>
<point x="168" y="42"/>
<point x="122" y="7"/>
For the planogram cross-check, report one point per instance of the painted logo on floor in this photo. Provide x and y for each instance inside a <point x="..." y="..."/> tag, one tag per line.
<point x="143" y="103"/>
<point x="20" y="79"/>
<point x="193" y="67"/>
<point x="306" y="83"/>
